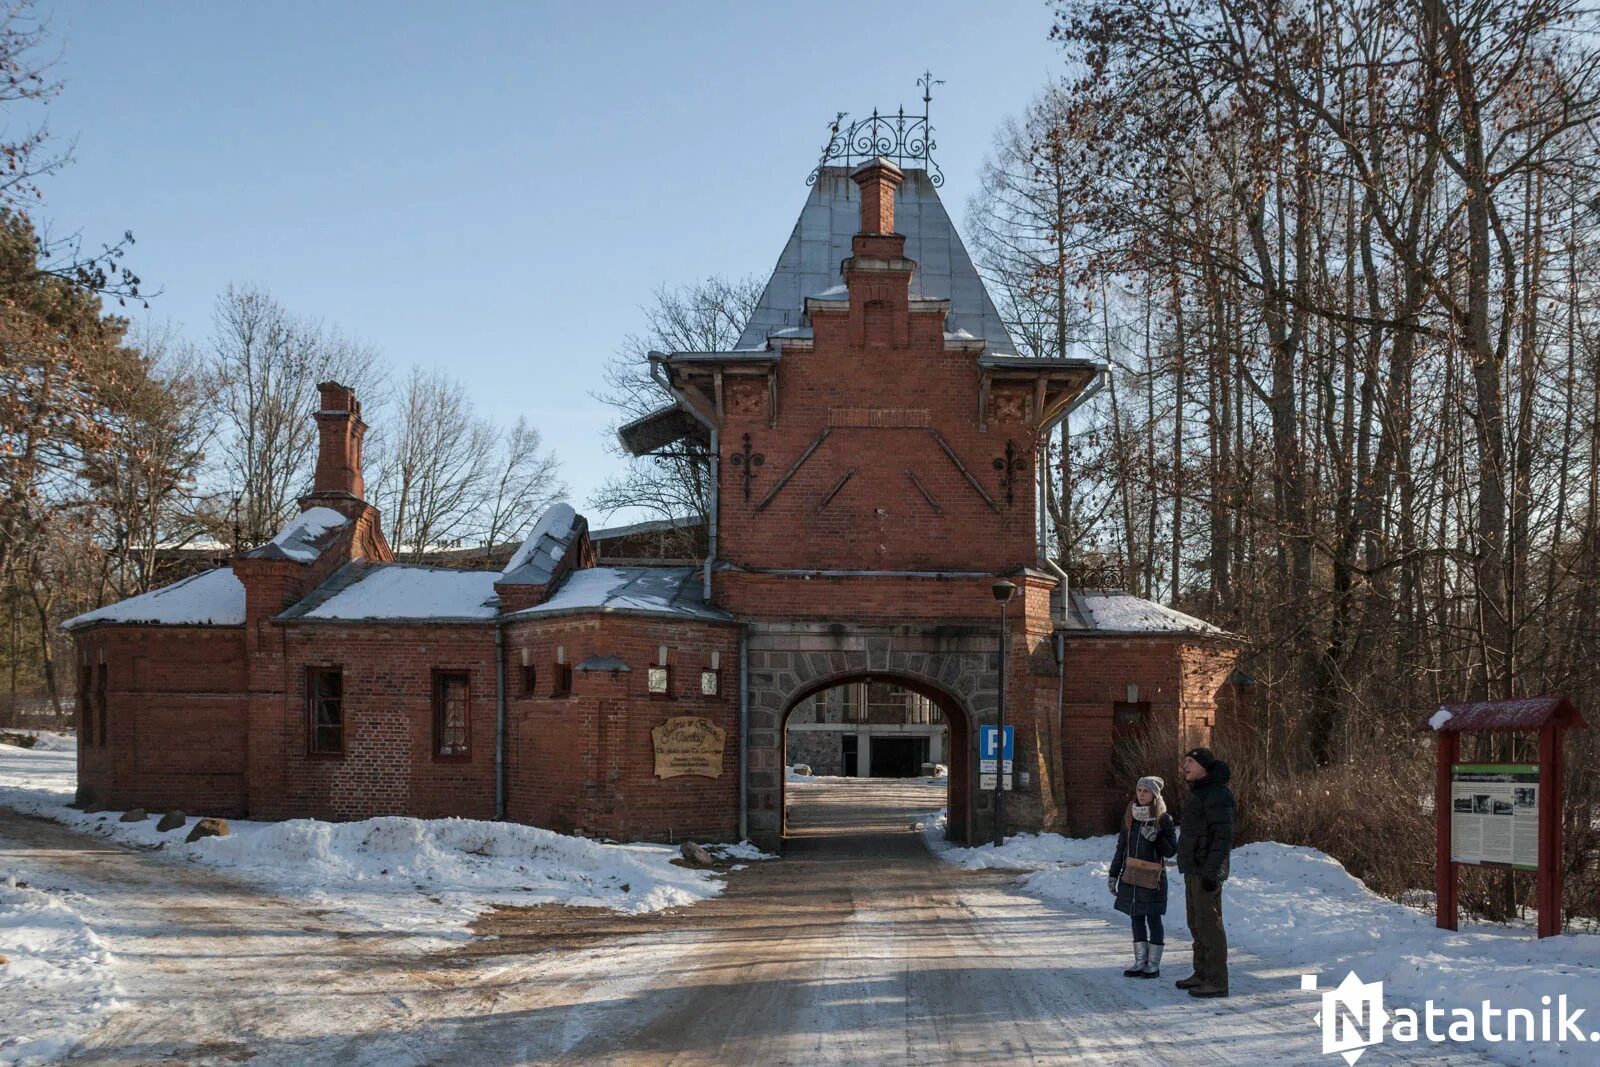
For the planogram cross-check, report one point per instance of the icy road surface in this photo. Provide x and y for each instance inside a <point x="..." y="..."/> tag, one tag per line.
<point x="858" y="947"/>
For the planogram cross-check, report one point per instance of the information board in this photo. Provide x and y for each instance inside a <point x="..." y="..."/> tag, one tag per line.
<point x="1494" y="814"/>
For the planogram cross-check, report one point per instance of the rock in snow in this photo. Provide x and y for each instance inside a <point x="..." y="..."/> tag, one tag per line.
<point x="207" y="828"/>
<point x="694" y="855"/>
<point x="172" y="820"/>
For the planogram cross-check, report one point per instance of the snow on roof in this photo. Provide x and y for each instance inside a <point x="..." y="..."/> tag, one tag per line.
<point x="809" y="264"/>
<point x="304" y="538"/>
<point x="1439" y="718"/>
<point x="535" y="562"/>
<point x="362" y="590"/>
<point x="636" y="590"/>
<point x="211" y="598"/>
<point x="1117" y="612"/>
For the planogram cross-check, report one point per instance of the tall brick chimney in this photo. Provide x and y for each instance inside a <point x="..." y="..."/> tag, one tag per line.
<point x="340" y="429"/>
<point x="878" y="179"/>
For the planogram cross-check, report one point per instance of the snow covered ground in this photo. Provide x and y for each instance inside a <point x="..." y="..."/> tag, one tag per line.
<point x="57" y="981"/>
<point x="424" y="881"/>
<point x="1299" y="907"/>
<point x="428" y="877"/>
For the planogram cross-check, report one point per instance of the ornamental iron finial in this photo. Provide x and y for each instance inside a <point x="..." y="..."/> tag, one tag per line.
<point x="900" y="137"/>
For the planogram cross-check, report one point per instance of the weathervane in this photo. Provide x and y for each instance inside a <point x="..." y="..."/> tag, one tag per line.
<point x="900" y="137"/>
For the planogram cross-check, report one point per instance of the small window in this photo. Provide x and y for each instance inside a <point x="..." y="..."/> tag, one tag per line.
<point x="657" y="679"/>
<point x="86" y="705"/>
<point x="561" y="680"/>
<point x="325" y="711"/>
<point x="451" y="714"/>
<point x="710" y="683"/>
<point x="100" y="704"/>
<point x="530" y="678"/>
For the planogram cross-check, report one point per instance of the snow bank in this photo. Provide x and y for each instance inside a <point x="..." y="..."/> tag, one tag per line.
<point x="1299" y="908"/>
<point x="425" y="877"/>
<point x="57" y="983"/>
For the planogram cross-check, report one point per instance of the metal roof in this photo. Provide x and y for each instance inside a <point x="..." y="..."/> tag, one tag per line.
<point x="1529" y="713"/>
<point x="809" y="265"/>
<point x="660" y="428"/>
<point x="542" y="551"/>
<point x="1113" y="611"/>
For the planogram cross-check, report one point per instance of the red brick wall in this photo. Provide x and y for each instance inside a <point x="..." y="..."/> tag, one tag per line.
<point x="879" y="403"/>
<point x="1179" y="677"/>
<point x="175" y="718"/>
<point x="586" y="762"/>
<point x="388" y="766"/>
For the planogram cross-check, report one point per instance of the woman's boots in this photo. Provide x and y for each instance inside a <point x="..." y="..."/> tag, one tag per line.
<point x="1146" y="961"/>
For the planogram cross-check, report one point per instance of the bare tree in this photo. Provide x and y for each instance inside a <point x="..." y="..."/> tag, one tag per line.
<point x="265" y="366"/>
<point x="447" y="477"/>
<point x="704" y="316"/>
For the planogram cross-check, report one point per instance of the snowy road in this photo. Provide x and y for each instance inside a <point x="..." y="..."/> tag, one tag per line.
<point x="858" y="947"/>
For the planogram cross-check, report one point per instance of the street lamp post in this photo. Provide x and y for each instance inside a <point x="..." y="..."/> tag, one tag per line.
<point x="1003" y="591"/>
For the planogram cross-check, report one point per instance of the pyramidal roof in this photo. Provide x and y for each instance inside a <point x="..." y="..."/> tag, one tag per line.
<point x="809" y="265"/>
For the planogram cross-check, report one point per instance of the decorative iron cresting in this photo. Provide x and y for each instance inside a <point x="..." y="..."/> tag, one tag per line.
<point x="899" y="137"/>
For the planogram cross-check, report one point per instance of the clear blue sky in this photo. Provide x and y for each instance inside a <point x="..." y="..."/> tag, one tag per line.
<point x="494" y="188"/>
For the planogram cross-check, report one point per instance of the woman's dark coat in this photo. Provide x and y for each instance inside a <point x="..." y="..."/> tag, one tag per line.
<point x="1137" y="900"/>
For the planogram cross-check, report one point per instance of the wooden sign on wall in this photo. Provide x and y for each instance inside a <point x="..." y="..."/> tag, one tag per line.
<point x="688" y="744"/>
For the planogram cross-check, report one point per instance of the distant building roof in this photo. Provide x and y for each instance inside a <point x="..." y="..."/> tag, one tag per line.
<point x="1113" y="611"/>
<point x="809" y="264"/>
<point x="611" y="533"/>
<point x="672" y="591"/>
<point x="210" y="598"/>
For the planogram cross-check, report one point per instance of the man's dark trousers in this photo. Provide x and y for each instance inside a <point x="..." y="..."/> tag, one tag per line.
<point x="1205" y="926"/>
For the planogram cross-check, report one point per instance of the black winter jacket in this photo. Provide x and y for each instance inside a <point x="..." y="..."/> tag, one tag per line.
<point x="1205" y="827"/>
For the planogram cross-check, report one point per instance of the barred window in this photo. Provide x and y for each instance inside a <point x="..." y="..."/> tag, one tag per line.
<point x="325" y="711"/>
<point x="451" y="714"/>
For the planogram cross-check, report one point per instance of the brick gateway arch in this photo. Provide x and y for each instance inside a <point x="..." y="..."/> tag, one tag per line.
<point x="957" y="667"/>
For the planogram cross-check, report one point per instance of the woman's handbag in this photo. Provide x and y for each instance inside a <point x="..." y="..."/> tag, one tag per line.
<point x="1146" y="874"/>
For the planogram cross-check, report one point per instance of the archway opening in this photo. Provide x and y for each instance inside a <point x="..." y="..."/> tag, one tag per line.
<point x="874" y="752"/>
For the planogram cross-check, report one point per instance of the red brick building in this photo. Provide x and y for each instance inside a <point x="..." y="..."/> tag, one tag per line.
<point x="875" y="444"/>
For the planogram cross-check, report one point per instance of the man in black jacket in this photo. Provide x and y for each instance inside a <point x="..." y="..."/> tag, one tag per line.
<point x="1205" y="837"/>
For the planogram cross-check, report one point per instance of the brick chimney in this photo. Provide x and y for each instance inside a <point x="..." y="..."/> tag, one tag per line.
<point x="878" y="273"/>
<point x="878" y="179"/>
<point x="340" y="430"/>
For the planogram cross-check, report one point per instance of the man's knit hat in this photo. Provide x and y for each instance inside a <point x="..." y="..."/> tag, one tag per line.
<point x="1152" y="783"/>
<point x="1202" y="756"/>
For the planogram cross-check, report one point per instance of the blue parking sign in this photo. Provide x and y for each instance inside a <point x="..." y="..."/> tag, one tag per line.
<point x="989" y="740"/>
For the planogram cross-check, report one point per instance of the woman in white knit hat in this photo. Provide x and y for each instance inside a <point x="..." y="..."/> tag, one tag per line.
<point x="1139" y="877"/>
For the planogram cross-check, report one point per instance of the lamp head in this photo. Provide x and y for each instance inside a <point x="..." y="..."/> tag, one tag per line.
<point x="1003" y="590"/>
